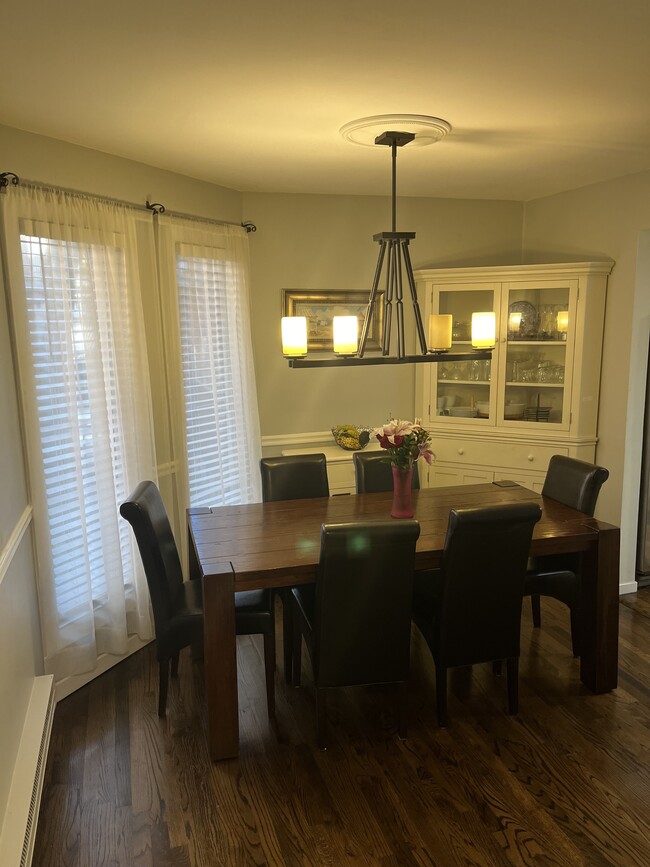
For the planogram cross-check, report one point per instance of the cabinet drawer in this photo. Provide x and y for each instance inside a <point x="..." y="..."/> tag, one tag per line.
<point x="493" y="454"/>
<point x="446" y="476"/>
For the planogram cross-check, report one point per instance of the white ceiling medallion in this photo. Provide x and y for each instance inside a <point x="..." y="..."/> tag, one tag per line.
<point x="427" y="130"/>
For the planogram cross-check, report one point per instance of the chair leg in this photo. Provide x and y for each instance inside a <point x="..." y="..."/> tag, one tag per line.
<point x="575" y="631"/>
<point x="401" y="710"/>
<point x="537" y="610"/>
<point x="175" y="663"/>
<point x="287" y="632"/>
<point x="269" y="669"/>
<point x="512" y="669"/>
<point x="296" y="641"/>
<point x="163" y="681"/>
<point x="441" y="694"/>
<point x="497" y="667"/>
<point x="321" y="718"/>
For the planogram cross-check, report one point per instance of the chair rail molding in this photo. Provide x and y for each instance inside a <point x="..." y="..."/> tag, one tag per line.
<point x="297" y="438"/>
<point x="8" y="552"/>
<point x="169" y="468"/>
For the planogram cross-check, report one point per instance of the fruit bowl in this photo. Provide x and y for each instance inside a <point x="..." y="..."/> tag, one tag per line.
<point x="350" y="437"/>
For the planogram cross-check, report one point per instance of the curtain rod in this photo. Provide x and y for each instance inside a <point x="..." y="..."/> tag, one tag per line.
<point x="155" y="208"/>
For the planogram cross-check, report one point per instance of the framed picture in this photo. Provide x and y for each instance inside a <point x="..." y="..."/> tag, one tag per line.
<point x="320" y="308"/>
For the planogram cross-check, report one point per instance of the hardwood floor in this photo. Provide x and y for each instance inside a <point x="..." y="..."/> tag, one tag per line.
<point x="566" y="782"/>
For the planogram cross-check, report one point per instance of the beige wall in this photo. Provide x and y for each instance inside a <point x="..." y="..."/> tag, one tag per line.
<point x="36" y="158"/>
<point x="608" y="220"/>
<point x="325" y="242"/>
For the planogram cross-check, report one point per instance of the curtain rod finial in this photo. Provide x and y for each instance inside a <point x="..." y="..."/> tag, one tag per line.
<point x="6" y="177"/>
<point x="250" y="227"/>
<point x="156" y="207"/>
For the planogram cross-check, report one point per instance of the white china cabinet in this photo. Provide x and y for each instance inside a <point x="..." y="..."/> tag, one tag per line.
<point x="538" y="396"/>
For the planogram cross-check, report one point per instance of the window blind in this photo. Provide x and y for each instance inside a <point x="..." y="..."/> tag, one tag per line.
<point x="215" y="423"/>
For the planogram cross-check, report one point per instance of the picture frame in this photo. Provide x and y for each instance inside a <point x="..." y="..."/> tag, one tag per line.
<point x="320" y="308"/>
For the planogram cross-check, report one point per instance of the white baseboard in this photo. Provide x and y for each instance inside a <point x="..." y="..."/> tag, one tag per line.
<point x="628" y="587"/>
<point x="21" y="816"/>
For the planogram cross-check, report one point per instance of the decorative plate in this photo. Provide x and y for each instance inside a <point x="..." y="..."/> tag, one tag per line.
<point x="529" y="326"/>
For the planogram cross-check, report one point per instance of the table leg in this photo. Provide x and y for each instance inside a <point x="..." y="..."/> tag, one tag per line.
<point x="600" y="593"/>
<point x="220" y="663"/>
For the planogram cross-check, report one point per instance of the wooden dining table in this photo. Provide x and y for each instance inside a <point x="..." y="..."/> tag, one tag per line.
<point x="266" y="545"/>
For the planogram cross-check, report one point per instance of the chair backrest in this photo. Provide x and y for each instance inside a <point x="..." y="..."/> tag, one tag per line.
<point x="294" y="477"/>
<point x="574" y="483"/>
<point x="145" y="512"/>
<point x="373" y="472"/>
<point x="483" y="569"/>
<point x="362" y="615"/>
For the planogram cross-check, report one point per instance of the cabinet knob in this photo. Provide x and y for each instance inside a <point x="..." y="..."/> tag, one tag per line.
<point x="461" y="451"/>
<point x="531" y="457"/>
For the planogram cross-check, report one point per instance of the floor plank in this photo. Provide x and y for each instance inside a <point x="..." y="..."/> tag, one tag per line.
<point x="566" y="781"/>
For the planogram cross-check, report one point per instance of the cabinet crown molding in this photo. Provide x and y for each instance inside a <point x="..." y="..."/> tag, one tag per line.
<point x="514" y="272"/>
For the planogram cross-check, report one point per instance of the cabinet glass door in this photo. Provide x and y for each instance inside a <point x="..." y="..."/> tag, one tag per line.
<point x="464" y="389"/>
<point x="537" y="322"/>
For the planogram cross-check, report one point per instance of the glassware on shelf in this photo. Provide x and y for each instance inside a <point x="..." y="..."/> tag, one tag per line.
<point x="547" y="322"/>
<point x="459" y="331"/>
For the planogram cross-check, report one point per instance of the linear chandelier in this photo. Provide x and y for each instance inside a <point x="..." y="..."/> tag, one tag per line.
<point x="394" y="263"/>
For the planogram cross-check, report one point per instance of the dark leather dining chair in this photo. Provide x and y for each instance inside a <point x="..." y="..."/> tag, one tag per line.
<point x="356" y="619"/>
<point x="576" y="484"/>
<point x="373" y="473"/>
<point x="470" y="610"/>
<point x="292" y="477"/>
<point x="178" y="605"/>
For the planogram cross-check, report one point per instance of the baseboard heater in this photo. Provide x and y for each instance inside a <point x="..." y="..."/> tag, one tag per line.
<point x="21" y="816"/>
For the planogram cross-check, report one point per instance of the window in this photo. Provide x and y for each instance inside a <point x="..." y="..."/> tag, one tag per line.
<point x="73" y="357"/>
<point x="204" y="281"/>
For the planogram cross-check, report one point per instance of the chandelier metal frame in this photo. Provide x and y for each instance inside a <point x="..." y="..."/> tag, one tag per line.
<point x="395" y="256"/>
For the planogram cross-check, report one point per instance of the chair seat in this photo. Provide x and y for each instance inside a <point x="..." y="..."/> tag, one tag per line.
<point x="562" y="585"/>
<point x="253" y="611"/>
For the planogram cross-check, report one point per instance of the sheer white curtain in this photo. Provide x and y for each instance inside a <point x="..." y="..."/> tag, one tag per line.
<point x="82" y="362"/>
<point x="204" y="279"/>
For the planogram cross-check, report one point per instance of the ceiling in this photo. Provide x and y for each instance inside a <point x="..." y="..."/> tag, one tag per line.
<point x="542" y="95"/>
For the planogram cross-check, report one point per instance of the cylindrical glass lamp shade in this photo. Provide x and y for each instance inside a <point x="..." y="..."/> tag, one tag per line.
<point x="346" y="335"/>
<point x="294" y="336"/>
<point x="563" y="321"/>
<point x="440" y="325"/>
<point x="483" y="330"/>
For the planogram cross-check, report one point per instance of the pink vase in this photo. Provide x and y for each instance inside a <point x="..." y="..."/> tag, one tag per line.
<point x="402" y="506"/>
